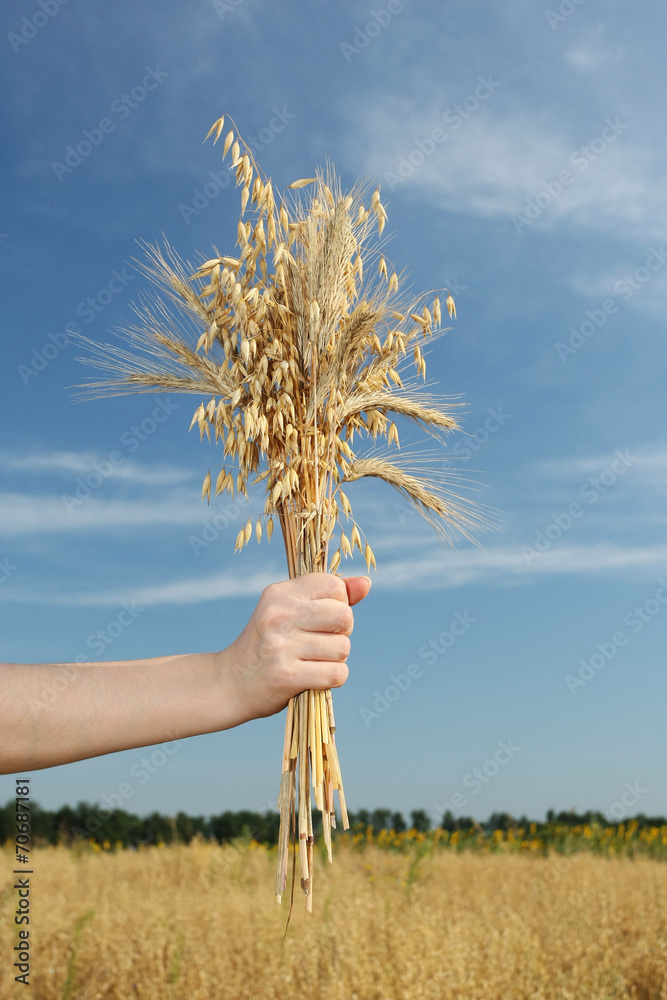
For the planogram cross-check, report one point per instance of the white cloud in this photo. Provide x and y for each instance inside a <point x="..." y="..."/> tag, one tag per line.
<point x="499" y="157"/>
<point x="24" y="514"/>
<point x="85" y="463"/>
<point x="439" y="571"/>
<point x="191" y="590"/>
<point x="508" y="564"/>
<point x="649" y="467"/>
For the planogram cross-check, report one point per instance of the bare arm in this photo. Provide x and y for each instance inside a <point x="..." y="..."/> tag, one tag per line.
<point x="297" y="638"/>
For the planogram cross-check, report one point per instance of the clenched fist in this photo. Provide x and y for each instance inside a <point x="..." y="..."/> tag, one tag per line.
<point x="297" y="638"/>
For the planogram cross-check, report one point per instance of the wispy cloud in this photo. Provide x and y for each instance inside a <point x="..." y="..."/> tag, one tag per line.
<point x="441" y="571"/>
<point x="190" y="590"/>
<point x="83" y="463"/>
<point x="649" y="467"/>
<point x="25" y="514"/>
<point x="503" y="155"/>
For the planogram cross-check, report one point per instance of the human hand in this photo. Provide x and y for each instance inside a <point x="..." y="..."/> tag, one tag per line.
<point x="296" y="639"/>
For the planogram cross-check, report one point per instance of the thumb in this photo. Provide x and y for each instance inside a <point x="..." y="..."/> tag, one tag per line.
<point x="357" y="588"/>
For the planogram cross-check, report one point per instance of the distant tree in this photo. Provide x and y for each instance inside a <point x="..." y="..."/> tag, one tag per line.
<point x="448" y="821"/>
<point x="466" y="823"/>
<point x="360" y="818"/>
<point x="381" y="819"/>
<point x="420" y="821"/>
<point x="397" y="822"/>
<point x="499" y="821"/>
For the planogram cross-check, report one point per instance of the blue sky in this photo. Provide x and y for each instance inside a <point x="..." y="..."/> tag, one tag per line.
<point x="522" y="155"/>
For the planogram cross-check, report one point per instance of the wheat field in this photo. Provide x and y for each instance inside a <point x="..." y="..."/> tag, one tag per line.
<point x="200" y="922"/>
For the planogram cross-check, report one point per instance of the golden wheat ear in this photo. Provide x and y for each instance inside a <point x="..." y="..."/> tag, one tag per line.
<point x="295" y="340"/>
<point x="432" y="496"/>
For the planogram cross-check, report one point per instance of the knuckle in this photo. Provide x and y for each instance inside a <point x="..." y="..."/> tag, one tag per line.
<point x="276" y="615"/>
<point x="269" y="592"/>
<point x="339" y="674"/>
<point x="344" y="646"/>
<point x="269" y="618"/>
<point x="346" y="619"/>
<point x="272" y="645"/>
<point x="337" y="587"/>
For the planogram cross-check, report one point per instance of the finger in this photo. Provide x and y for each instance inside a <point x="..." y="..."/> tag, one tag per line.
<point x="313" y="586"/>
<point x="321" y="675"/>
<point x="317" y="646"/>
<point x="357" y="588"/>
<point x="325" y="615"/>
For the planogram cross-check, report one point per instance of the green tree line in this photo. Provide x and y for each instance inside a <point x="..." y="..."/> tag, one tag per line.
<point x="84" y="821"/>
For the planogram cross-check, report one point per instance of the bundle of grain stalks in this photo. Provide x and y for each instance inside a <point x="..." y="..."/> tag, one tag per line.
<point x="296" y="345"/>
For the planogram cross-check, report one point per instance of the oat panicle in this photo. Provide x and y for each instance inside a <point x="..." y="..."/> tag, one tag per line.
<point x="298" y="343"/>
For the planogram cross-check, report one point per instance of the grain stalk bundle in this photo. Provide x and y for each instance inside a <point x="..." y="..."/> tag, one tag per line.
<point x="297" y="343"/>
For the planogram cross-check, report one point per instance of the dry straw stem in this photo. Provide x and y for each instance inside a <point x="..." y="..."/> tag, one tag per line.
<point x="296" y="343"/>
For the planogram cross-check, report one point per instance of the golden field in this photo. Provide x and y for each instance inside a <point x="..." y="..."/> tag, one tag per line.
<point x="200" y="922"/>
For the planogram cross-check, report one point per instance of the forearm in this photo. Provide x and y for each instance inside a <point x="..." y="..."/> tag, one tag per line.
<point x="56" y="713"/>
<point x="296" y="639"/>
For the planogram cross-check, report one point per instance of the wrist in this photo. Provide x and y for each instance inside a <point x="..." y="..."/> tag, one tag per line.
<point x="225" y="695"/>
